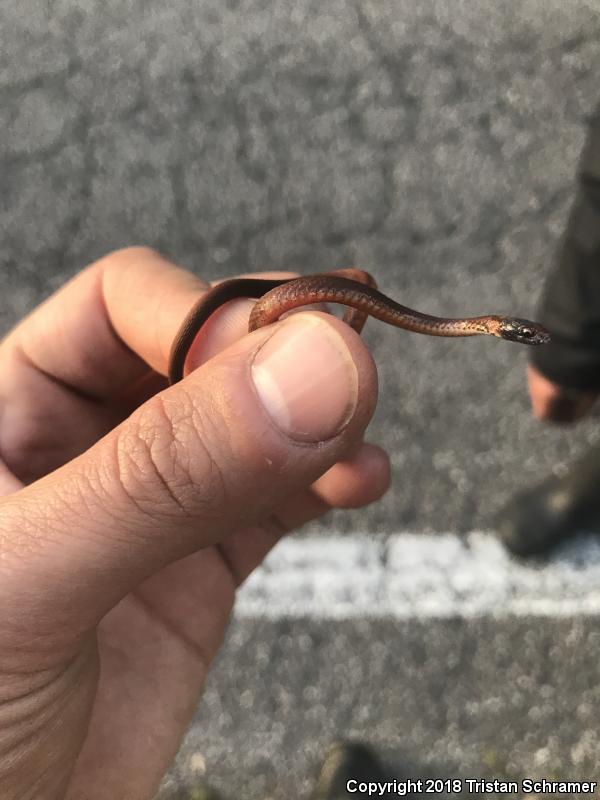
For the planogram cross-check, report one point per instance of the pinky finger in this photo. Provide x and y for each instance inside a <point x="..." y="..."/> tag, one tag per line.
<point x="361" y="479"/>
<point x="357" y="481"/>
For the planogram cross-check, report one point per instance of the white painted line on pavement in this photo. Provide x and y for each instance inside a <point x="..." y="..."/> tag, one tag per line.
<point x="409" y="575"/>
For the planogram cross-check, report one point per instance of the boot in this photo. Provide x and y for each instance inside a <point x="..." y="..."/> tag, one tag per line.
<point x="347" y="761"/>
<point x="537" y="519"/>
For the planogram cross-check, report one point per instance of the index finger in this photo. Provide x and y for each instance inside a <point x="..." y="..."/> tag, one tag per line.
<point x="109" y="325"/>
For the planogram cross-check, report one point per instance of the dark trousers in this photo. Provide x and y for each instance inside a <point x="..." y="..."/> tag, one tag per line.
<point x="570" y="305"/>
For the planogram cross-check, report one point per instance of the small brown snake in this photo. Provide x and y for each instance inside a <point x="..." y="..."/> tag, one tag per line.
<point x="350" y="287"/>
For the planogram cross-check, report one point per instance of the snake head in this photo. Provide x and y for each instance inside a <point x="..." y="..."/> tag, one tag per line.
<point x="523" y="331"/>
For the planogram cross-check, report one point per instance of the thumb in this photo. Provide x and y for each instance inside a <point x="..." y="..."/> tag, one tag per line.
<point x="219" y="450"/>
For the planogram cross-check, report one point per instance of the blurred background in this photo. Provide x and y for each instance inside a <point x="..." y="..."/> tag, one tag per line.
<point x="435" y="145"/>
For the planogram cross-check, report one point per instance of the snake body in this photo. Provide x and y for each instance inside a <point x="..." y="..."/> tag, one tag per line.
<point x="350" y="287"/>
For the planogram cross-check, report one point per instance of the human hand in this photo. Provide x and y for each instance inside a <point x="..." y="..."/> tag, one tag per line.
<point x="554" y="403"/>
<point x="130" y="511"/>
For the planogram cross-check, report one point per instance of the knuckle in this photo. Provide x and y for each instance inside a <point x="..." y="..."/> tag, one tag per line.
<point x="114" y="263"/>
<point x="165" y="461"/>
<point x="130" y="253"/>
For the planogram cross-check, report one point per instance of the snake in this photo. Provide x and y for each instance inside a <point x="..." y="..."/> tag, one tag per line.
<point x="350" y="287"/>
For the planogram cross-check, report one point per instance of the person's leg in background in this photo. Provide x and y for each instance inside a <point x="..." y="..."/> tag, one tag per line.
<point x="564" y="376"/>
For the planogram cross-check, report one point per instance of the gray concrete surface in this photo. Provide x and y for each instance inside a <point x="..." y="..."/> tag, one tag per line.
<point x="433" y="143"/>
<point x="459" y="698"/>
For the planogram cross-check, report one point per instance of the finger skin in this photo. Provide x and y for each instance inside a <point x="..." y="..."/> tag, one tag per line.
<point x="361" y="478"/>
<point x="107" y="325"/>
<point x="97" y="539"/>
<point x="83" y="361"/>
<point x="357" y="480"/>
<point x="103" y="329"/>
<point x="181" y="473"/>
<point x="191" y="598"/>
<point x="146" y="533"/>
<point x="80" y="363"/>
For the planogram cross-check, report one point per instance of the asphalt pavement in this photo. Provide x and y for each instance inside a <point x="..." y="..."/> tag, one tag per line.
<point x="434" y="144"/>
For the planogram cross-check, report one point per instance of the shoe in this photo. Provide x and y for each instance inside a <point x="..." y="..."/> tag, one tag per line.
<point x="345" y="762"/>
<point x="536" y="520"/>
